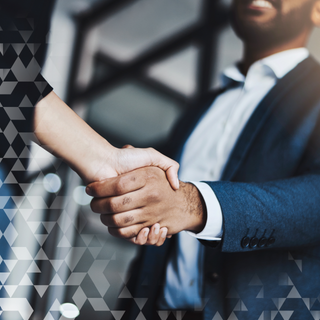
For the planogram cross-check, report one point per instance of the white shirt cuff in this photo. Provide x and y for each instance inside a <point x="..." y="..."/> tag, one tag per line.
<point x="213" y="228"/>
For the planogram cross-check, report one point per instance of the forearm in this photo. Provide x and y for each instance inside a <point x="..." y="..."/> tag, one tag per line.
<point x="61" y="131"/>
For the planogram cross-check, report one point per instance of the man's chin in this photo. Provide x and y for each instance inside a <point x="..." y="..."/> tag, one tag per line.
<point x="253" y="31"/>
<point x="254" y="25"/>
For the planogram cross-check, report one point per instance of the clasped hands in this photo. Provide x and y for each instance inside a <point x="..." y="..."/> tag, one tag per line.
<point x="145" y="205"/>
<point x="142" y="207"/>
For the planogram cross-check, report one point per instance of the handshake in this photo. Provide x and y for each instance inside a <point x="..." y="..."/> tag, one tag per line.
<point x="136" y="191"/>
<point x="146" y="205"/>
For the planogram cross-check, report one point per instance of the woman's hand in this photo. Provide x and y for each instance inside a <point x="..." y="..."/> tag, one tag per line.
<point x="120" y="161"/>
<point x="62" y="132"/>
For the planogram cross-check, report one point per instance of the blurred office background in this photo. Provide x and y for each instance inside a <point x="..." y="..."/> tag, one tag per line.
<point x="129" y="68"/>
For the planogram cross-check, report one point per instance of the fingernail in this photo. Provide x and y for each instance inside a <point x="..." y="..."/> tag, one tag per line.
<point x="88" y="191"/>
<point x="146" y="232"/>
<point x="163" y="233"/>
<point x="156" y="229"/>
<point x="177" y="183"/>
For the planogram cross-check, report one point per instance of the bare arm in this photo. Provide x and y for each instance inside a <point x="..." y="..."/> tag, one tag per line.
<point x="61" y="131"/>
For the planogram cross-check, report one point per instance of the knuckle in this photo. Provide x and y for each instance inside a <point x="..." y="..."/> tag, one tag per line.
<point x="120" y="186"/>
<point x="120" y="221"/>
<point x="118" y="232"/>
<point x="102" y="219"/>
<point x="123" y="233"/>
<point x="94" y="189"/>
<point x="93" y="206"/>
<point x="114" y="205"/>
<point x="154" y="195"/>
<point x="115" y="220"/>
<point x="126" y="200"/>
<point x="128" y="219"/>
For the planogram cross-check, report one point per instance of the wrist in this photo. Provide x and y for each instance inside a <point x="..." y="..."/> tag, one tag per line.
<point x="61" y="131"/>
<point x="195" y="208"/>
<point x="100" y="161"/>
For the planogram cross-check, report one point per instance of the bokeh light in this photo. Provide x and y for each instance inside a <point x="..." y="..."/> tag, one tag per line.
<point x="69" y="310"/>
<point x="52" y="183"/>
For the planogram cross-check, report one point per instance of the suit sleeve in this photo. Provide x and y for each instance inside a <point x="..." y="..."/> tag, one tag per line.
<point x="275" y="214"/>
<point x="284" y="213"/>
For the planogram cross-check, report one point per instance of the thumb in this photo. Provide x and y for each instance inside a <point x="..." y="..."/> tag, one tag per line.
<point x="130" y="158"/>
<point x="168" y="165"/>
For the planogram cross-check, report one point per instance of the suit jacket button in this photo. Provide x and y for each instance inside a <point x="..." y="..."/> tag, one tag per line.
<point x="254" y="242"/>
<point x="245" y="242"/>
<point x="214" y="277"/>
<point x="262" y="242"/>
<point x="271" y="241"/>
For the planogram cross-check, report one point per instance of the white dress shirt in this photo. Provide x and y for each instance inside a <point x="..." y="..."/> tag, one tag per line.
<point x="204" y="157"/>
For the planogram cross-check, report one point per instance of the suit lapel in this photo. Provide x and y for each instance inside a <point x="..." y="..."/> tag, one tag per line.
<point x="277" y="97"/>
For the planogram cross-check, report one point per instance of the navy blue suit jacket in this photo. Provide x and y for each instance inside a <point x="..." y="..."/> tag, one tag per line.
<point x="268" y="262"/>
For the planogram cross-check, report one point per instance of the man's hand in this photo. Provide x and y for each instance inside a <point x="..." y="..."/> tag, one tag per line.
<point x="143" y="198"/>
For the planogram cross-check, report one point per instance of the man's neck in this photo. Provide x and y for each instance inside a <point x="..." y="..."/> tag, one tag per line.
<point x="253" y="53"/>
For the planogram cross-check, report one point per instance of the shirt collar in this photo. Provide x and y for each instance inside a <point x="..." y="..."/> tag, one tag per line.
<point x="279" y="64"/>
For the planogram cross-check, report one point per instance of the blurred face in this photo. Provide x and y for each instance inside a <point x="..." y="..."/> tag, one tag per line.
<point x="268" y="22"/>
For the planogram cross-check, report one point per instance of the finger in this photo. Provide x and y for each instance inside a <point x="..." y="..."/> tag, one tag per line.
<point x="172" y="176"/>
<point x="111" y="205"/>
<point x="154" y="234"/>
<point x="122" y="220"/>
<point x="129" y="160"/>
<point x="170" y="166"/>
<point x="169" y="236"/>
<point x="125" y="233"/>
<point x="162" y="238"/>
<point x="120" y="185"/>
<point x="142" y="236"/>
